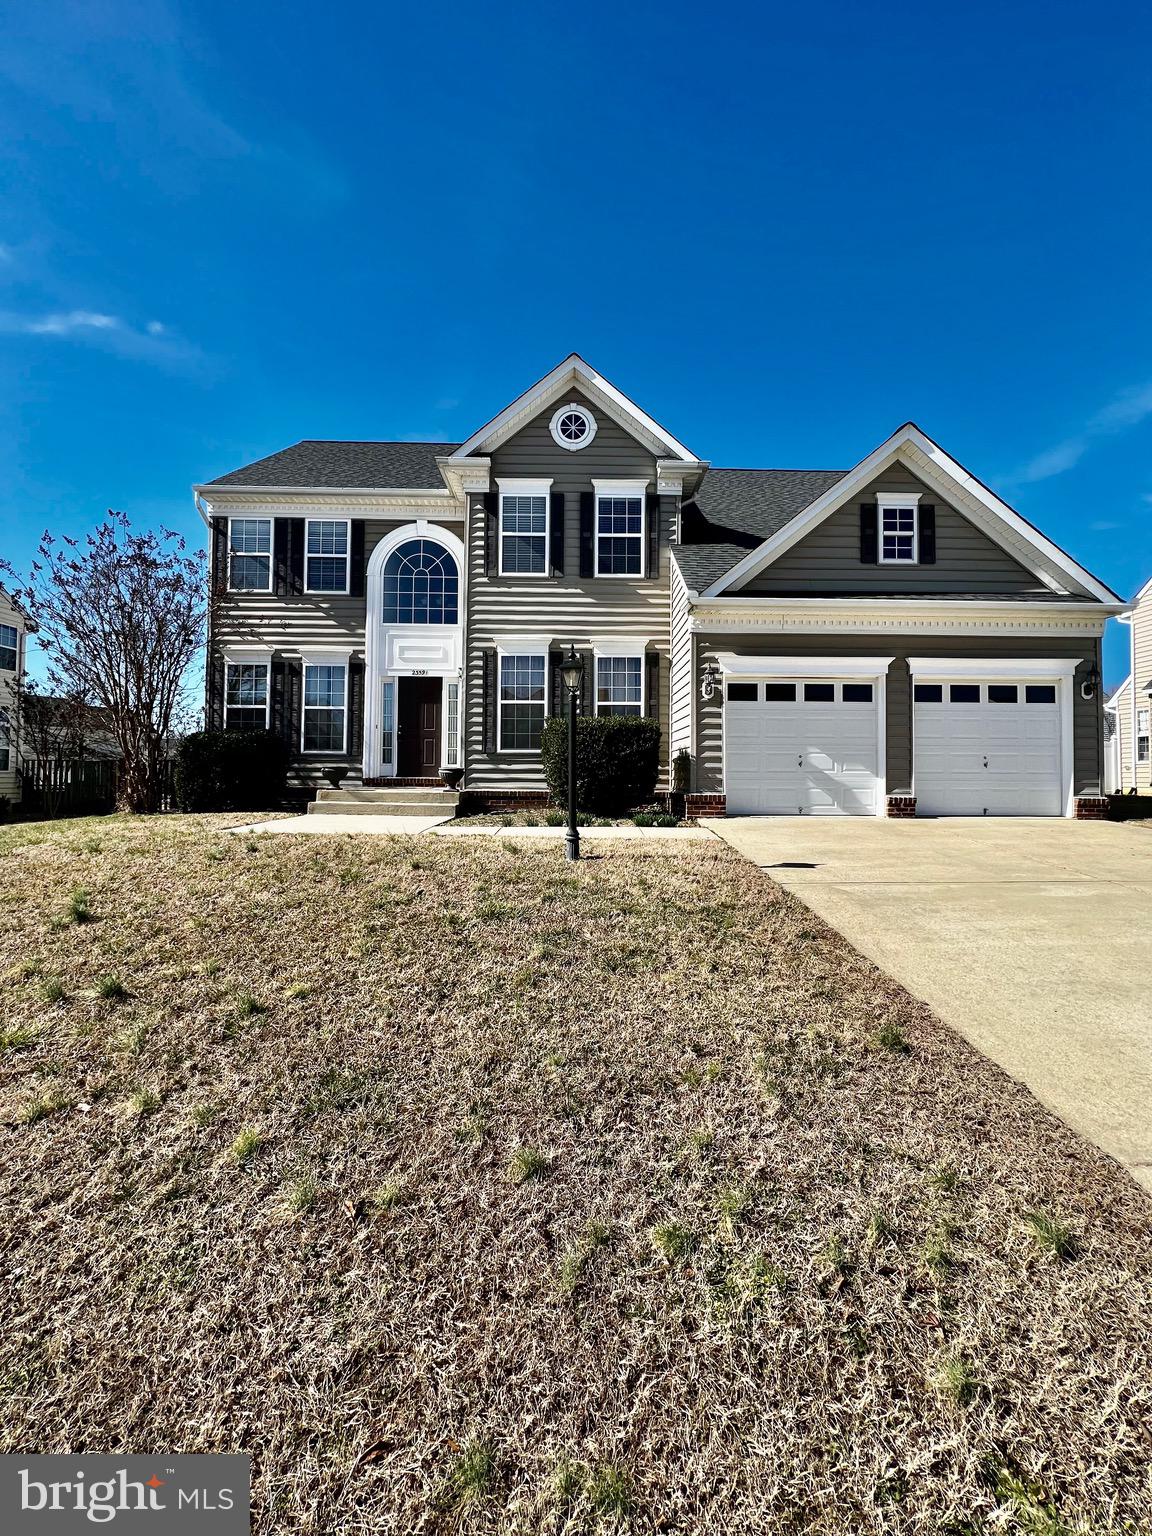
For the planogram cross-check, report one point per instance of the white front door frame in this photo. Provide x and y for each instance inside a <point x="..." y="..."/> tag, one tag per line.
<point x="1058" y="669"/>
<point x="393" y="651"/>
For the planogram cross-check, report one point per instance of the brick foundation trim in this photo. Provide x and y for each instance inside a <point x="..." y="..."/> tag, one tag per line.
<point x="705" y="805"/>
<point x="1091" y="808"/>
<point x="487" y="802"/>
<point x="901" y="806"/>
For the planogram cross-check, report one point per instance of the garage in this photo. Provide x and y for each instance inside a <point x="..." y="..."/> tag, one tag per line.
<point x="988" y="745"/>
<point x="803" y="746"/>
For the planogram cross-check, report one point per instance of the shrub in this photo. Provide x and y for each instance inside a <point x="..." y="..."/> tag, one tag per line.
<point x="230" y="771"/>
<point x="617" y="760"/>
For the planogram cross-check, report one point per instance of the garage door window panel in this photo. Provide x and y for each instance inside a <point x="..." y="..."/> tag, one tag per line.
<point x="780" y="693"/>
<point x="857" y="693"/>
<point x="1040" y="693"/>
<point x="743" y="693"/>
<point x="819" y="693"/>
<point x="964" y="693"/>
<point x="1003" y="693"/>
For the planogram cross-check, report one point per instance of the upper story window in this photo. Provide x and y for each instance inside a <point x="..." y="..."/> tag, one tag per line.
<point x="9" y="647"/>
<point x="250" y="554"/>
<point x="899" y="533"/>
<point x="620" y="528"/>
<point x="573" y="426"/>
<point x="246" y="696"/>
<point x="421" y="584"/>
<point x="524" y="527"/>
<point x="1142" y="740"/>
<point x="326" y="555"/>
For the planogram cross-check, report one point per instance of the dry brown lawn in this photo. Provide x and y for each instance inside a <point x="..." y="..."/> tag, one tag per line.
<point x="470" y="1191"/>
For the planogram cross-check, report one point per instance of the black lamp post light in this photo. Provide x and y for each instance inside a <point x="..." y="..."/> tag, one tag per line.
<point x="572" y="674"/>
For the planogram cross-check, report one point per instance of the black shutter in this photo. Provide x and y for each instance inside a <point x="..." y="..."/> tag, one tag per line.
<point x="587" y="701"/>
<point x="356" y="709"/>
<point x="556" y="689"/>
<point x="280" y="713"/>
<point x="556" y="532"/>
<point x="296" y="541"/>
<point x="491" y="537"/>
<point x="214" y="714"/>
<point x="587" y="533"/>
<point x="281" y="534"/>
<point x="220" y="554"/>
<point x="488" y="699"/>
<point x="928" y="535"/>
<point x="356" y="558"/>
<point x="869" y="542"/>
<point x="653" y="531"/>
<point x="652" y="684"/>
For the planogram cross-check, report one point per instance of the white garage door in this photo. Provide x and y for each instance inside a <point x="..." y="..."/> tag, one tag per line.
<point x="801" y="747"/>
<point x="987" y="748"/>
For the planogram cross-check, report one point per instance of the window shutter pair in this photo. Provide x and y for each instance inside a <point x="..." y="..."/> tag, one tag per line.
<point x="587" y="533"/>
<point x="488" y="699"/>
<point x="870" y="533"/>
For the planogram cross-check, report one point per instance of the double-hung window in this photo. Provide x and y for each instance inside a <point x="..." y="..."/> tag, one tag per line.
<point x="620" y="684"/>
<point x="246" y="696"/>
<point x="9" y="647"/>
<point x="524" y="527"/>
<point x="326" y="555"/>
<point x="899" y="531"/>
<point x="620" y="527"/>
<point x="523" y="700"/>
<point x="250" y="554"/>
<point x="1142" y="737"/>
<point x="323" y="727"/>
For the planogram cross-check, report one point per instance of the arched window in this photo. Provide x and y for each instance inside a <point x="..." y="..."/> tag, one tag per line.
<point x="421" y="584"/>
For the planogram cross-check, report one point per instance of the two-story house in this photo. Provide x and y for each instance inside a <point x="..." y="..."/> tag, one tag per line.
<point x="15" y="627"/>
<point x="888" y="639"/>
<point x="1130" y="706"/>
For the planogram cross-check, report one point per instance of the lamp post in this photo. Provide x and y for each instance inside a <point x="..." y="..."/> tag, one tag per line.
<point x="571" y="674"/>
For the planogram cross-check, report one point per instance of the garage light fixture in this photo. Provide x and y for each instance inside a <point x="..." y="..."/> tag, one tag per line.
<point x="1090" y="683"/>
<point x="711" y="680"/>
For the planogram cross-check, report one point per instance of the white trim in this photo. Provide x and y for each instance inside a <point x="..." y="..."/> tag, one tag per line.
<point x="573" y="408"/>
<point x="524" y="645"/>
<point x="630" y="490"/>
<point x="247" y="652"/>
<point x="734" y="665"/>
<point x="1058" y="669"/>
<point x="377" y="634"/>
<point x="252" y="659"/>
<point x="920" y="455"/>
<point x="617" y="650"/>
<point x="542" y="488"/>
<point x="981" y="667"/>
<point x="347" y="558"/>
<point x="573" y="371"/>
<point x="332" y="659"/>
<point x="623" y="645"/>
<point x="256" y="554"/>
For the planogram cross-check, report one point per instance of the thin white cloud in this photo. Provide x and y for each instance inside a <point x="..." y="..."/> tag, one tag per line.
<point x="60" y="325"/>
<point x="1127" y="410"/>
<point x="154" y="342"/>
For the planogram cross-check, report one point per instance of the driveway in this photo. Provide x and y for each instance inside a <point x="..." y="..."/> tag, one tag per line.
<point x="1032" y="938"/>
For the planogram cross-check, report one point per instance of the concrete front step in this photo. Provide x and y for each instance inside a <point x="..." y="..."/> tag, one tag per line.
<point x="440" y="797"/>
<point x="381" y="808"/>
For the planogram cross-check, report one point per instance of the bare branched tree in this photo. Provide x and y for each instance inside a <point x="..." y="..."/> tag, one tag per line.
<point x="121" y="618"/>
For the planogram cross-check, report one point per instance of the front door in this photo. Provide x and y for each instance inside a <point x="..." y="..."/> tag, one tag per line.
<point x="418" y="727"/>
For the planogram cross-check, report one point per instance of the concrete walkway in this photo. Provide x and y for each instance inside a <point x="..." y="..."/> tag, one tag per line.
<point x="443" y="826"/>
<point x="1031" y="938"/>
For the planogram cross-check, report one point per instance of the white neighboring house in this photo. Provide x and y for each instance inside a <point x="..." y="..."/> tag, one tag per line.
<point x="15" y="626"/>
<point x="1130" y="706"/>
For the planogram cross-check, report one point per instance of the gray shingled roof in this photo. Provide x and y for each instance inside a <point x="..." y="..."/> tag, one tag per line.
<point x="737" y="509"/>
<point x="325" y="464"/>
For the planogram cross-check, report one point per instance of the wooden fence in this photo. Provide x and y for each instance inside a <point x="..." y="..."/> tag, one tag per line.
<point x="80" y="788"/>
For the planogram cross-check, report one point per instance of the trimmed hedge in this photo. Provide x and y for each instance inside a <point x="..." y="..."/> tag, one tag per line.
<point x="231" y="771"/>
<point x="617" y="761"/>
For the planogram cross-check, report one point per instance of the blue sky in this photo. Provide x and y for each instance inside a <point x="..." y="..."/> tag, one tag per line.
<point x="783" y="230"/>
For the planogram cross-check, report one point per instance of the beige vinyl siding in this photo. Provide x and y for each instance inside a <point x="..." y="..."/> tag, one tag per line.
<point x="1087" y="723"/>
<point x="1123" y="702"/>
<point x="680" y="671"/>
<point x="828" y="558"/>
<point x="1141" y="677"/>
<point x="568" y="609"/>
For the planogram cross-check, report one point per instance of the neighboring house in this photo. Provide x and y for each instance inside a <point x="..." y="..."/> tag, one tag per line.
<point x="1130" y="705"/>
<point x="888" y="639"/>
<point x="15" y="626"/>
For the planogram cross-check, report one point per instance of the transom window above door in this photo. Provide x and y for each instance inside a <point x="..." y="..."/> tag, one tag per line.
<point x="899" y="541"/>
<point x="620" y="528"/>
<point x="326" y="555"/>
<point x="421" y="584"/>
<point x="524" y="527"/>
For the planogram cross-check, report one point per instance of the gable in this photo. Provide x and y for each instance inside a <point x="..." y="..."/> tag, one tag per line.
<point x="613" y="454"/>
<point x="827" y="559"/>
